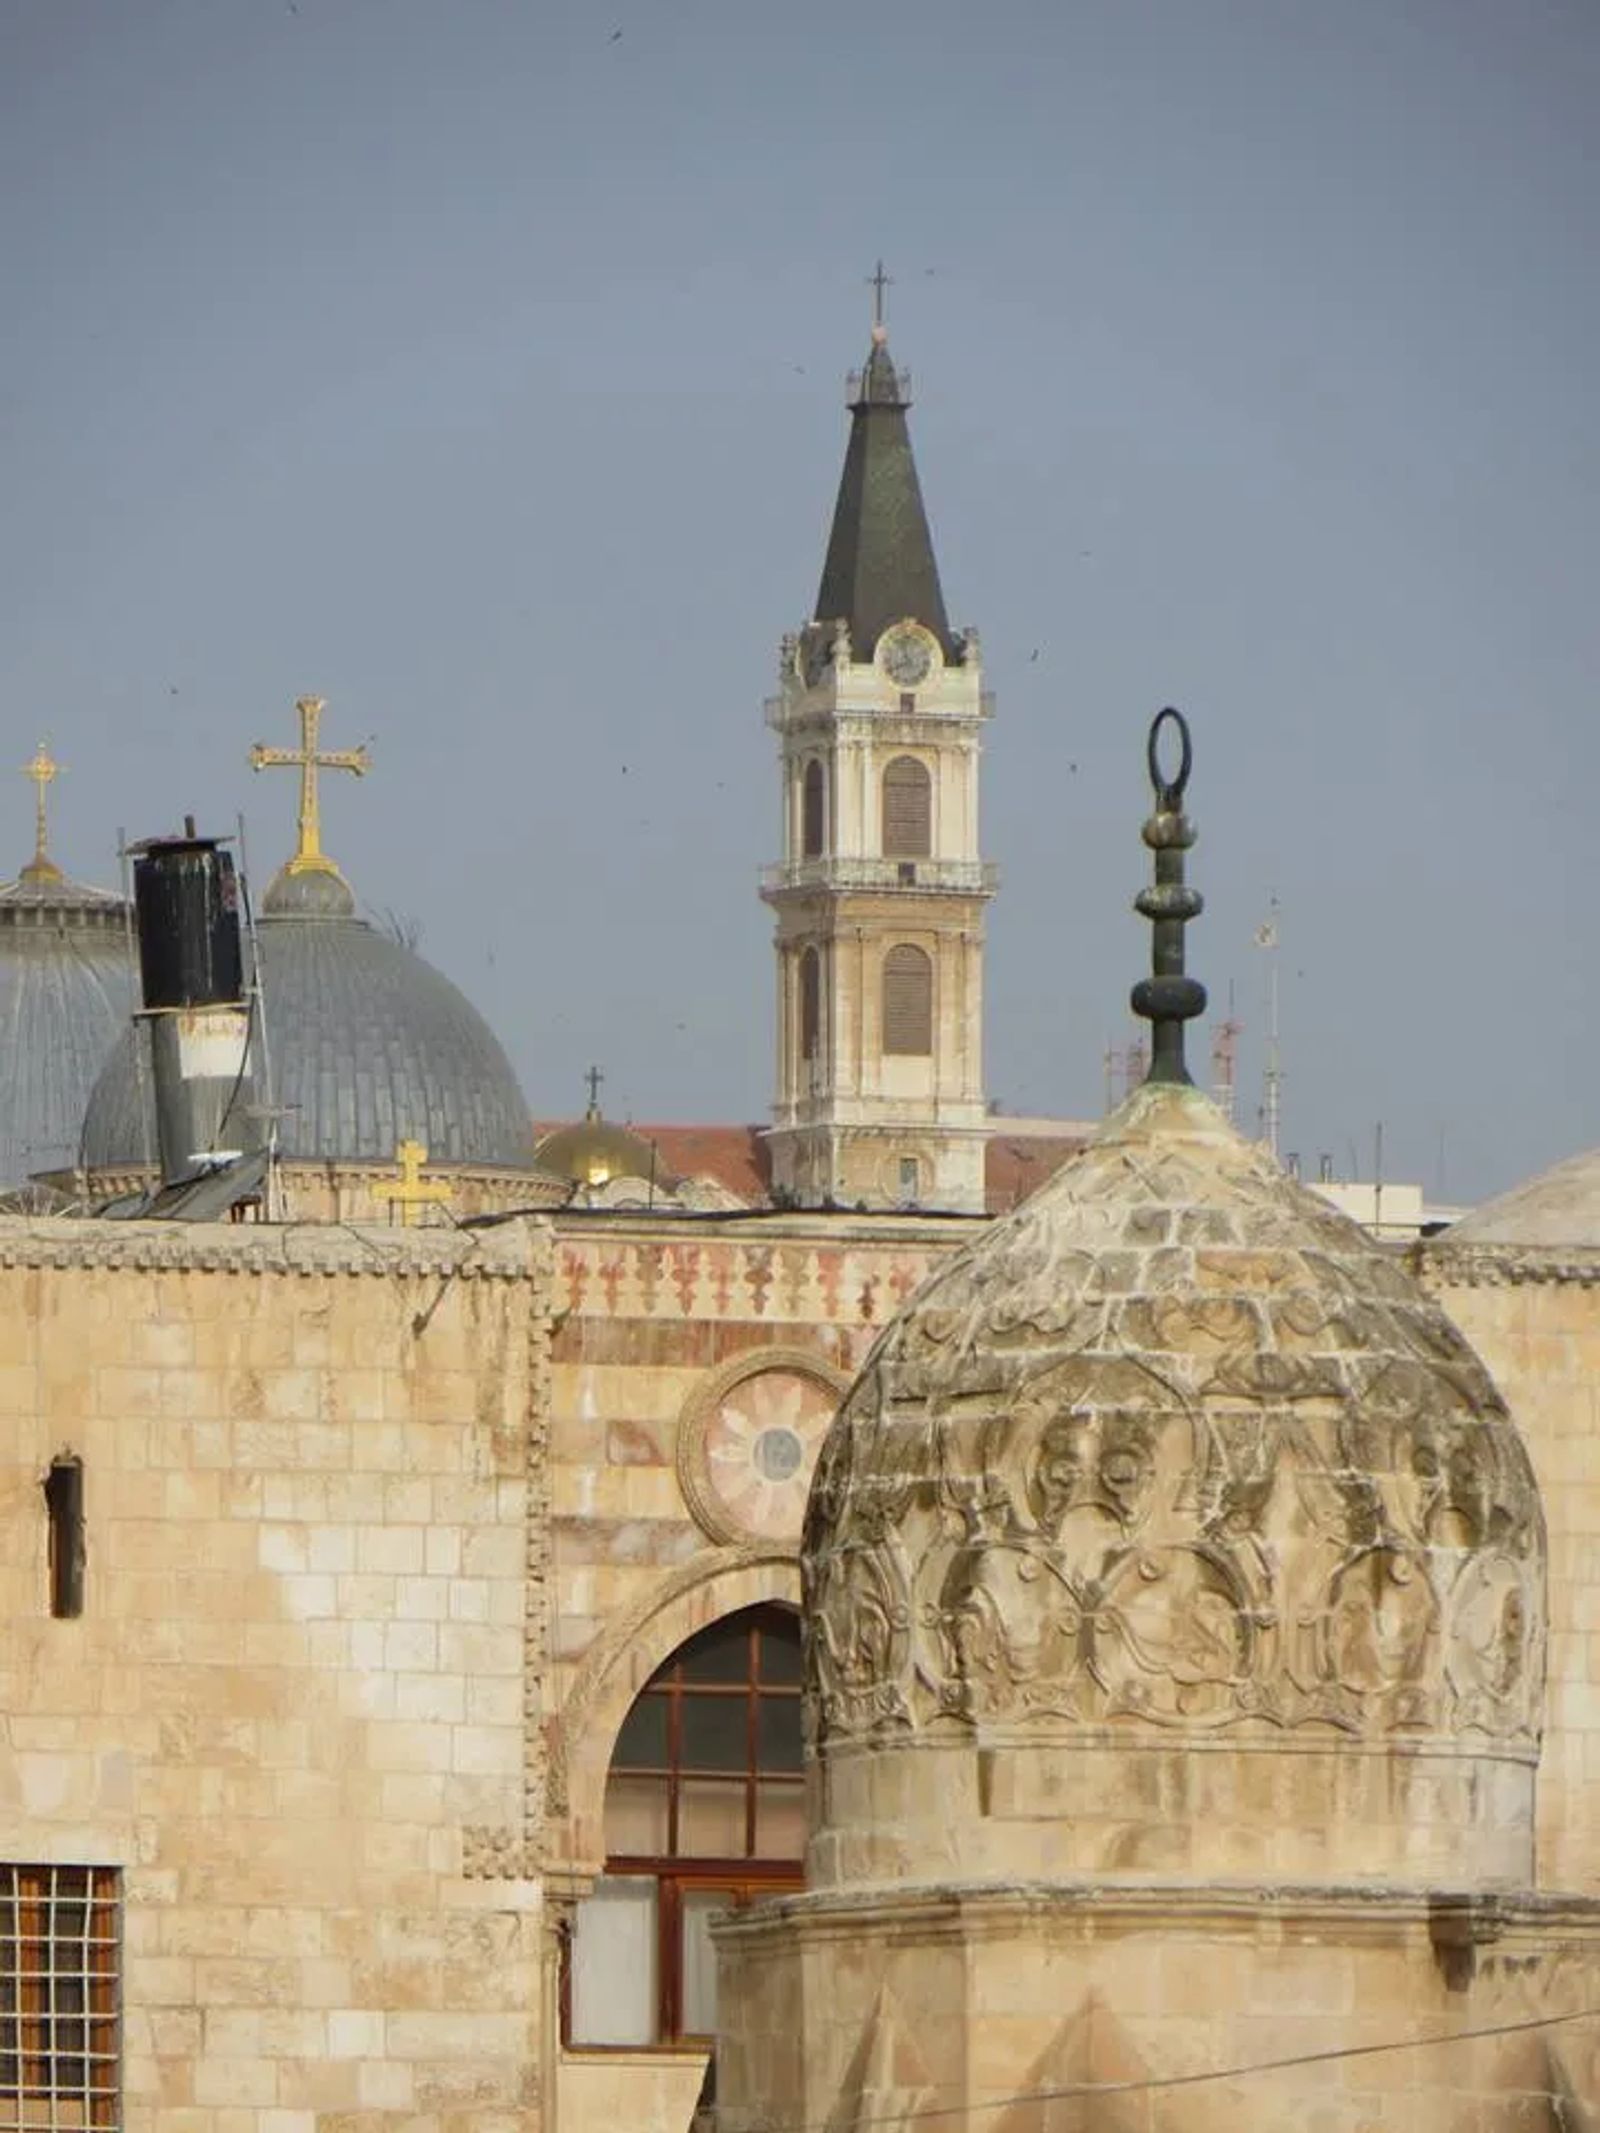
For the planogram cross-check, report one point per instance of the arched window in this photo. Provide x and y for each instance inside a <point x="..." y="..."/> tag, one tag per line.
<point x="813" y="810"/>
<point x="907" y="809"/>
<point x="908" y="1001"/>
<point x="705" y="1812"/>
<point x="810" y="1004"/>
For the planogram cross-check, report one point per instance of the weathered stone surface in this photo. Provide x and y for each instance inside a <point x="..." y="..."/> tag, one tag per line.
<point x="1261" y="1491"/>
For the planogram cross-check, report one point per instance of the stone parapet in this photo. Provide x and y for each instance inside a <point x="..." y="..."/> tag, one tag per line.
<point x="1067" y="2004"/>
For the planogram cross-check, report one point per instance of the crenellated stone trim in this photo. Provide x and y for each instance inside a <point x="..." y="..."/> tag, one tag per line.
<point x="53" y="1241"/>
<point x="1441" y="1264"/>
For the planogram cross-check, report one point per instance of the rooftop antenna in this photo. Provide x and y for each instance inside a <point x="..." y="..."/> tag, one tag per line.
<point x="275" y="1208"/>
<point x="1224" y="1060"/>
<point x="1272" y="1078"/>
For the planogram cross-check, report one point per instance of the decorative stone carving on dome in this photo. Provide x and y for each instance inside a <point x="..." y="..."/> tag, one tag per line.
<point x="1174" y="1446"/>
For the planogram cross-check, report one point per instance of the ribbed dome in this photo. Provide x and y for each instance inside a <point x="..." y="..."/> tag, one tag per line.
<point x="1174" y="1459"/>
<point x="369" y="1046"/>
<point x="65" y="991"/>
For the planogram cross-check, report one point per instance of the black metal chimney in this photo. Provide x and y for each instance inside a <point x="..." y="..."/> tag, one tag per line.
<point x="191" y="967"/>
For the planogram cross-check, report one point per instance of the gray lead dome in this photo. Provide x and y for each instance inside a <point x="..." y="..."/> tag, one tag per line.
<point x="65" y="990"/>
<point x="369" y="1046"/>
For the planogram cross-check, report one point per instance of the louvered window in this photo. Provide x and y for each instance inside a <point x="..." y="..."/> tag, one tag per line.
<point x="908" y="1001"/>
<point x="907" y="809"/>
<point x="813" y="811"/>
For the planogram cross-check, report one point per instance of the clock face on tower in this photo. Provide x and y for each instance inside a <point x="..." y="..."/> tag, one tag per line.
<point x="906" y="654"/>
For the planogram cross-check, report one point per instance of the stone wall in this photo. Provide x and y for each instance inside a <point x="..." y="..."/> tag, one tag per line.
<point x="1534" y="1317"/>
<point x="292" y="1711"/>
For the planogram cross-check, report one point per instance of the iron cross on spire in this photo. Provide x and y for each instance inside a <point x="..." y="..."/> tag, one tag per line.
<point x="44" y="770"/>
<point x="878" y="282"/>
<point x="594" y="1077"/>
<point x="310" y="858"/>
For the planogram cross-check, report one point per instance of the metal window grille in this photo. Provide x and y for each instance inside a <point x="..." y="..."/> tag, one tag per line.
<point x="907" y="1001"/>
<point x="907" y="809"/>
<point x="60" y="1999"/>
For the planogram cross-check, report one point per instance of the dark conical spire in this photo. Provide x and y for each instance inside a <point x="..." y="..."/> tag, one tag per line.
<point x="880" y="565"/>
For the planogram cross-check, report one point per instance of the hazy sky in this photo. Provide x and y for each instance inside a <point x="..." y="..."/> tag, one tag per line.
<point x="479" y="368"/>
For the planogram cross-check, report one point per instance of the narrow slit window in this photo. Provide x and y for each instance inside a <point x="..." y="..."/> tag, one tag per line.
<point x="63" y="1498"/>
<point x="810" y="1004"/>
<point x="813" y="811"/>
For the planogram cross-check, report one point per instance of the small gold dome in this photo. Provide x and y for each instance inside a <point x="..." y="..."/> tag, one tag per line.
<point x="596" y="1153"/>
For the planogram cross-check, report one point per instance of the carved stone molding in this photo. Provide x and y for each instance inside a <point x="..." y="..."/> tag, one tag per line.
<point x="748" y="1438"/>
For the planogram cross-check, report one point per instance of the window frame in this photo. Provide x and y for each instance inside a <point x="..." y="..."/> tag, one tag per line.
<point x="60" y="2065"/>
<point x="744" y="1877"/>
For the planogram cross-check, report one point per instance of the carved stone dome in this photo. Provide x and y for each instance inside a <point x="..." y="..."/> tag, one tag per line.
<point x="1170" y="1527"/>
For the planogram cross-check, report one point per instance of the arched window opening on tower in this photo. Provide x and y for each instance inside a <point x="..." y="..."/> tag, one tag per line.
<point x="705" y="1812"/>
<point x="810" y="1005"/>
<point x="813" y="810"/>
<point x="908" y="1001"/>
<point x="907" y="809"/>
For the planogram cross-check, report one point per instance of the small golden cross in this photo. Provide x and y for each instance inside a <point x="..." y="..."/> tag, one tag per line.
<point x="412" y="1190"/>
<point x="43" y="770"/>
<point x="310" y="858"/>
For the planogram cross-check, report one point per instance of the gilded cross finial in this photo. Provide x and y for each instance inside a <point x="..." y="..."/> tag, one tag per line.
<point x="594" y="1077"/>
<point x="878" y="282"/>
<point x="411" y="1191"/>
<point x="44" y="770"/>
<point x="1168" y="998"/>
<point x="308" y="760"/>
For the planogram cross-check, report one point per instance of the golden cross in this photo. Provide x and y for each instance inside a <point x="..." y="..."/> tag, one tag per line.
<point x="310" y="858"/>
<point x="43" y="770"/>
<point x="412" y="1190"/>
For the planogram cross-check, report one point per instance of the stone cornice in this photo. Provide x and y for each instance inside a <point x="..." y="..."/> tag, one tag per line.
<point x="510" y="1251"/>
<point x="1441" y="1264"/>
<point x="966" y="1910"/>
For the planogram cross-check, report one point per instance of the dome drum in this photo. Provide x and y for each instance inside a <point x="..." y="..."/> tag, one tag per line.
<point x="1173" y="1527"/>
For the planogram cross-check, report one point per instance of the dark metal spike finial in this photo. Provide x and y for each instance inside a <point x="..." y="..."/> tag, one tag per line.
<point x="1168" y="998"/>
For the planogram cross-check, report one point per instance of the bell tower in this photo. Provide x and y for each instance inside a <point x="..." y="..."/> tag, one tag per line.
<point x="880" y="893"/>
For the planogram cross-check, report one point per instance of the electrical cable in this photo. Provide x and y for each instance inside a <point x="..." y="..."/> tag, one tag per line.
<point x="1081" y="2090"/>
